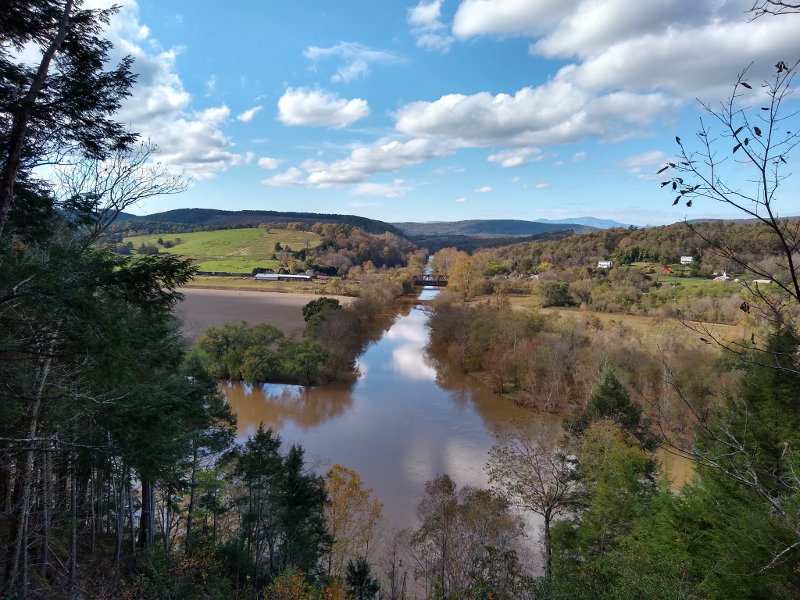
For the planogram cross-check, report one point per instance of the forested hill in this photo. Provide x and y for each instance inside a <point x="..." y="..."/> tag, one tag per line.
<point x="486" y="228"/>
<point x="219" y="219"/>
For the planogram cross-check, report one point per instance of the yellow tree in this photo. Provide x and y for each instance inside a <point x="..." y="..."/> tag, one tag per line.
<point x="351" y="517"/>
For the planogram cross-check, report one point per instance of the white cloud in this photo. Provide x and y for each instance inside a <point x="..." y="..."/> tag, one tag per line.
<point x="427" y="28"/>
<point x="448" y="170"/>
<point x="460" y="200"/>
<point x="513" y="180"/>
<point x="691" y="49"/>
<point x="365" y="161"/>
<point x="578" y="156"/>
<point x="266" y="162"/>
<point x="542" y="185"/>
<point x="396" y="189"/>
<point x="362" y="162"/>
<point x="483" y="190"/>
<point x="554" y="113"/>
<point x="635" y="164"/>
<point x="508" y="17"/>
<point x="158" y="108"/>
<point x="516" y="157"/>
<point x="293" y="176"/>
<point x="302" y="106"/>
<point x="248" y="115"/>
<point x="356" y="59"/>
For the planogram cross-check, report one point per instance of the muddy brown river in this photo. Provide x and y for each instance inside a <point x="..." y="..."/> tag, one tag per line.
<point x="400" y="424"/>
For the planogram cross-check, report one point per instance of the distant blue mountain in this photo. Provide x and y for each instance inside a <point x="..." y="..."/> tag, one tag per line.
<point x="590" y="221"/>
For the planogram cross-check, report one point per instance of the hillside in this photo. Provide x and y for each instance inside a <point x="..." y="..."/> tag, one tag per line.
<point x="213" y="218"/>
<point x="485" y="228"/>
<point x="590" y="221"/>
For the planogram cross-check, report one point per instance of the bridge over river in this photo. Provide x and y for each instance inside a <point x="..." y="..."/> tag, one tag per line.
<point x="430" y="279"/>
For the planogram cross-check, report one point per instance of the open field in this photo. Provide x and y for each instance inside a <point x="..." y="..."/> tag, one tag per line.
<point x="203" y="308"/>
<point x="641" y="325"/>
<point x="229" y="250"/>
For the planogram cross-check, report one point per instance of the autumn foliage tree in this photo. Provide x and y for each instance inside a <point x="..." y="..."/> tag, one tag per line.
<point x="351" y="515"/>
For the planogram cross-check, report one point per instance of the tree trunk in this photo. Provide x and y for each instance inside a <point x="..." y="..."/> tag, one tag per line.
<point x="119" y="505"/>
<point x="548" y="553"/>
<point x="146" y="519"/>
<point x="190" y="514"/>
<point x="18" y="569"/>
<point x="214" y="530"/>
<point x="47" y="493"/>
<point x="73" y="554"/>
<point x="130" y="511"/>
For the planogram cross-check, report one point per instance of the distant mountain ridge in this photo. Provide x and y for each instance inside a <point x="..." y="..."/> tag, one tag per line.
<point x="590" y="221"/>
<point x="486" y="228"/>
<point x="474" y="228"/>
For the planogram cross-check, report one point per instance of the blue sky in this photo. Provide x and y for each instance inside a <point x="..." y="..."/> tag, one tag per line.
<point x="437" y="110"/>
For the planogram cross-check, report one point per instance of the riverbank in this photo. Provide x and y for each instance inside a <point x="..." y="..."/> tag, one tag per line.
<point x="202" y="308"/>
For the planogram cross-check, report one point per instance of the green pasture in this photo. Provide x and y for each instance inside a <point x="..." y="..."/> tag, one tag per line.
<point x="230" y="250"/>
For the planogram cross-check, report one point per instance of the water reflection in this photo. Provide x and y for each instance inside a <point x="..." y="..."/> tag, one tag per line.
<point x="278" y="404"/>
<point x="402" y="423"/>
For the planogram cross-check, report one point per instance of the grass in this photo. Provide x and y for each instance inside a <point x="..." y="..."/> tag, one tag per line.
<point x="644" y="325"/>
<point x="231" y="250"/>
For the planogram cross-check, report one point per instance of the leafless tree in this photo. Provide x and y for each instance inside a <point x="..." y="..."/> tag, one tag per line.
<point x="535" y="474"/>
<point x="105" y="187"/>
<point x="744" y="148"/>
<point x="773" y="7"/>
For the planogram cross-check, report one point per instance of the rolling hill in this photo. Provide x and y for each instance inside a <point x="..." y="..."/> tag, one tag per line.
<point x="486" y="228"/>
<point x="212" y="217"/>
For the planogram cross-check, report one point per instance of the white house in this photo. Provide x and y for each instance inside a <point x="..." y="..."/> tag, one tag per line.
<point x="687" y="260"/>
<point x="605" y="264"/>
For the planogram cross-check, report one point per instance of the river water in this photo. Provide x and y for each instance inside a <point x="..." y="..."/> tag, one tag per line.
<point x="399" y="425"/>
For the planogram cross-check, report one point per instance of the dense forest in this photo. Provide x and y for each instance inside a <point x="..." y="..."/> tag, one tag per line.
<point x="119" y="474"/>
<point x="205" y="219"/>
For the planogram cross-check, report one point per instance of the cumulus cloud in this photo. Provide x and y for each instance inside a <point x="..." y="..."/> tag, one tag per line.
<point x="291" y="177"/>
<point x="302" y="106"/>
<point x="634" y="164"/>
<point x="266" y="162"/>
<point x="483" y="190"/>
<point x="361" y="164"/>
<point x="192" y="141"/>
<point x="508" y="17"/>
<point x="365" y="161"/>
<point x="396" y="189"/>
<point x="448" y="170"/>
<point x="248" y="115"/>
<point x="689" y="49"/>
<point x="646" y="164"/>
<point x="556" y="112"/>
<point x="427" y="27"/>
<point x="355" y="59"/>
<point x="698" y="61"/>
<point x="516" y="157"/>
<point x="578" y="156"/>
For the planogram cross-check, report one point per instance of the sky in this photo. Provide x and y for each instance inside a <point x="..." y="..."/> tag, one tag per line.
<point x="440" y="110"/>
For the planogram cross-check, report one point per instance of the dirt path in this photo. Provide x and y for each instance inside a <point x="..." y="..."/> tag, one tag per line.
<point x="202" y="308"/>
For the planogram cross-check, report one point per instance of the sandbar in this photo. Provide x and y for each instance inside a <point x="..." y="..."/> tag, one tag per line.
<point x="203" y="308"/>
